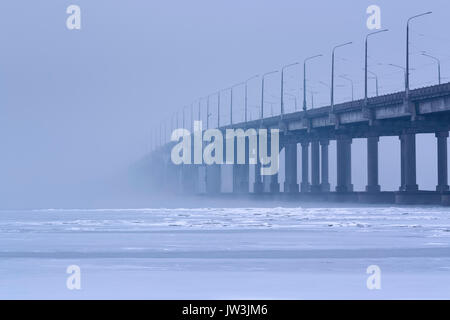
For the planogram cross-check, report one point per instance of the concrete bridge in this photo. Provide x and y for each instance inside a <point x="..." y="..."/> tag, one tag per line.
<point x="424" y="110"/>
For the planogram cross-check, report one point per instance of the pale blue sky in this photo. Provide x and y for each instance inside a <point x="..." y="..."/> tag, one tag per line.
<point x="78" y="106"/>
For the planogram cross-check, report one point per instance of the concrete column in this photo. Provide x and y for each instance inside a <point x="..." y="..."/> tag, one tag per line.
<point x="442" y="161"/>
<point x="344" y="164"/>
<point x="188" y="175"/>
<point x="274" y="184"/>
<point x="305" y="166"/>
<point x="290" y="160"/>
<point x="315" y="166"/>
<point x="213" y="179"/>
<point x="325" y="184"/>
<point x="410" y="162"/>
<point x="258" y="186"/>
<point x="372" y="165"/>
<point x="266" y="183"/>
<point x="402" y="163"/>
<point x="348" y="162"/>
<point x="241" y="171"/>
<point x="240" y="178"/>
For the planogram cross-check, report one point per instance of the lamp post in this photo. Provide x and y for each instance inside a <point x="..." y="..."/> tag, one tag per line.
<point x="262" y="91"/>
<point x="332" y="72"/>
<point x="351" y="82"/>
<point x="304" y="78"/>
<point x="282" y="85"/>
<point x="407" y="51"/>
<point x="246" y="95"/>
<point x="365" y="63"/>
<point x="218" y="109"/>
<point x="231" y="99"/>
<point x="207" y="112"/>
<point x="192" y="117"/>
<point x="438" y="64"/>
<point x="199" y="110"/>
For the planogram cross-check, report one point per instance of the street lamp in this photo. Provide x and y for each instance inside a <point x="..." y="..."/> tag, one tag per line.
<point x="438" y="63"/>
<point x="199" y="110"/>
<point x="218" y="109"/>
<point x="365" y="65"/>
<point x="231" y="98"/>
<point x="207" y="112"/>
<point x="282" y="85"/>
<point x="262" y="91"/>
<point x="192" y="117"/>
<point x="332" y="72"/>
<point x="304" y="78"/>
<point x="351" y="82"/>
<point x="407" y="51"/>
<point x="246" y="92"/>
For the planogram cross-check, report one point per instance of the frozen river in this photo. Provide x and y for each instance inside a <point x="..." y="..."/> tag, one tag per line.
<point x="223" y="253"/>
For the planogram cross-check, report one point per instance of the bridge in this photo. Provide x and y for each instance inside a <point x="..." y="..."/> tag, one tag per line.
<point x="402" y="114"/>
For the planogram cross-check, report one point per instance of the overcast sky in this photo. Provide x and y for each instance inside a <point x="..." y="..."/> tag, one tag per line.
<point x="77" y="106"/>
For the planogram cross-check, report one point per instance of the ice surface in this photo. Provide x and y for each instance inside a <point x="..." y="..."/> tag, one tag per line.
<point x="226" y="253"/>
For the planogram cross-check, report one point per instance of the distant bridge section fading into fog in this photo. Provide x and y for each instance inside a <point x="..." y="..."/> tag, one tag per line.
<point x="424" y="110"/>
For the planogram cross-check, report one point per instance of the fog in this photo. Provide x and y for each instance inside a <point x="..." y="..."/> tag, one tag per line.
<point x="78" y="107"/>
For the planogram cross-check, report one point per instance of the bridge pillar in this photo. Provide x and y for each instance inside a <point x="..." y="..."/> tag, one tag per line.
<point x="410" y="162"/>
<point x="240" y="178"/>
<point x="213" y="179"/>
<point x="188" y="178"/>
<point x="402" y="163"/>
<point x="290" y="159"/>
<point x="258" y="186"/>
<point x="325" y="184"/>
<point x="274" y="185"/>
<point x="315" y="166"/>
<point x="241" y="171"/>
<point x="266" y="183"/>
<point x="344" y="164"/>
<point x="442" y="161"/>
<point x="305" y="166"/>
<point x="372" y="165"/>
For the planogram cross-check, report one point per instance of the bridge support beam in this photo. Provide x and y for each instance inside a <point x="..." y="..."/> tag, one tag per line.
<point x="409" y="162"/>
<point x="290" y="159"/>
<point x="315" y="166"/>
<point x="325" y="184"/>
<point x="344" y="164"/>
<point x="274" y="186"/>
<point x="305" y="166"/>
<point x="442" y="161"/>
<point x="258" y="186"/>
<point x="213" y="179"/>
<point x="241" y="178"/>
<point x="241" y="171"/>
<point x="372" y="165"/>
<point x="402" y="163"/>
<point x="188" y="178"/>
